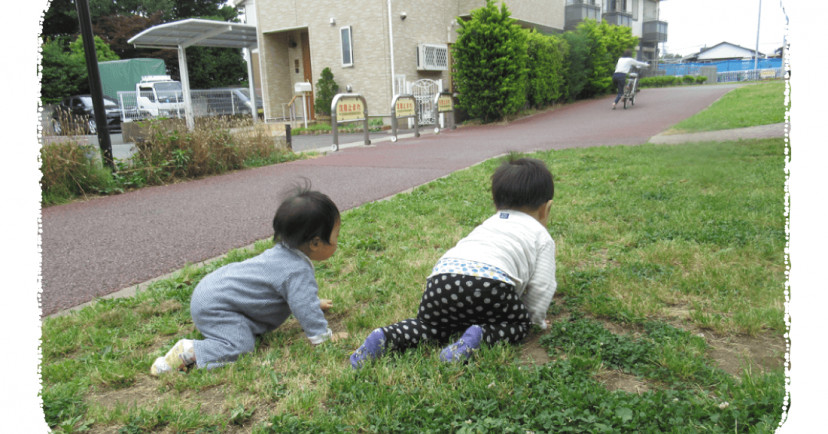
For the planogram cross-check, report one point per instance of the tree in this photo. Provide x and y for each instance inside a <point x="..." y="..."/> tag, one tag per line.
<point x="61" y="74"/>
<point x="491" y="63"/>
<point x="326" y="89"/>
<point x="116" y="22"/>
<point x="63" y="71"/>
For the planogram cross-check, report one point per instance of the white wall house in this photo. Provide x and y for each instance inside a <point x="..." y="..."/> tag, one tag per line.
<point x="383" y="48"/>
<point x="722" y="51"/>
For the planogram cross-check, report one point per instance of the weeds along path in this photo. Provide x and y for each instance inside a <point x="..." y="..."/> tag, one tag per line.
<point x="97" y="247"/>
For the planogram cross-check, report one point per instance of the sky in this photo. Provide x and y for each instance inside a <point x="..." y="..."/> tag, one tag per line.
<point x="694" y="24"/>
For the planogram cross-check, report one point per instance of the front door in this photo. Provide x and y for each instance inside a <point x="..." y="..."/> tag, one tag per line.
<point x="306" y="66"/>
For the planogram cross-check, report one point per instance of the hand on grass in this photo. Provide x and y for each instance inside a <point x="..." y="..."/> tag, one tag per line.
<point x="325" y="304"/>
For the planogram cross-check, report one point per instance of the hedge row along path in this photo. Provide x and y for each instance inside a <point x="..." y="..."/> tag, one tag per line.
<point x="100" y="246"/>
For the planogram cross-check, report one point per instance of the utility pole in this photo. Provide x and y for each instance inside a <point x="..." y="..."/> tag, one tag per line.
<point x="94" y="81"/>
<point x="756" y="53"/>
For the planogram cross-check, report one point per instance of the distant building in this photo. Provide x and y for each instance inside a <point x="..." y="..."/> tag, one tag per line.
<point x="722" y="51"/>
<point x="383" y="48"/>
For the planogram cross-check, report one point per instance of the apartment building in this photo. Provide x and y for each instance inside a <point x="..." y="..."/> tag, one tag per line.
<point x="381" y="48"/>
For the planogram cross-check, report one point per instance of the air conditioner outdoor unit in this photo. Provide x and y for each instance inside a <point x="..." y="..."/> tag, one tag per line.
<point x="432" y="57"/>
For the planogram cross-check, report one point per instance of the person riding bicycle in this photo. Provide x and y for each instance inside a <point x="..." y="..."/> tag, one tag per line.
<point x="622" y="68"/>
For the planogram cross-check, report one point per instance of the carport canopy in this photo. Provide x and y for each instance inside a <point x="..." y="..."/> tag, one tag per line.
<point x="194" y="32"/>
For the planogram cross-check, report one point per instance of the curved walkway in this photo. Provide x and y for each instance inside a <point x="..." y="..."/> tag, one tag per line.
<point x="99" y="247"/>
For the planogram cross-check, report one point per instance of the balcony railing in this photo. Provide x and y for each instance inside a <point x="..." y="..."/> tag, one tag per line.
<point x="618" y="18"/>
<point x="579" y="10"/>
<point x="654" y="31"/>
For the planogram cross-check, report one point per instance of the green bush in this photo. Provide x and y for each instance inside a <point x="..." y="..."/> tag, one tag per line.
<point x="326" y="89"/>
<point x="491" y="64"/>
<point x="167" y="154"/>
<point x="171" y="152"/>
<point x="670" y="80"/>
<point x="71" y="170"/>
<point x="658" y="81"/>
<point x="575" y="65"/>
<point x="604" y="45"/>
<point x="545" y="81"/>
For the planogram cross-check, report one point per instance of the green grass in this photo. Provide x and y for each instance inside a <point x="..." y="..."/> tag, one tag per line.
<point x="669" y="316"/>
<point x="753" y="104"/>
<point x="656" y="245"/>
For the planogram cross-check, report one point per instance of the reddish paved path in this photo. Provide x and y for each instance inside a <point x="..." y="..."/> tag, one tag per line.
<point x="97" y="247"/>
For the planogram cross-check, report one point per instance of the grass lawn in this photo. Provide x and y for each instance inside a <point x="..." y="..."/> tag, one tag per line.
<point x="753" y="104"/>
<point x="669" y="316"/>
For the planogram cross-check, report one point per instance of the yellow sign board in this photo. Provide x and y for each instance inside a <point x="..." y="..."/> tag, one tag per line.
<point x="445" y="103"/>
<point x="349" y="109"/>
<point x="404" y="107"/>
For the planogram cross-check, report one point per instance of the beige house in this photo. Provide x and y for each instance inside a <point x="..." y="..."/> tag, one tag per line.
<point x="382" y="48"/>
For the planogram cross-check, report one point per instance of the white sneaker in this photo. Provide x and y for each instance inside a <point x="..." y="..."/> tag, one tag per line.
<point x="179" y="357"/>
<point x="159" y="367"/>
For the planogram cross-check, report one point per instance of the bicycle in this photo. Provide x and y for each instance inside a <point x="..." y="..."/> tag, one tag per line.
<point x="630" y="89"/>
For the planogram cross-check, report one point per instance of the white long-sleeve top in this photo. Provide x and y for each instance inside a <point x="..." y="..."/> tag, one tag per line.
<point x="521" y="247"/>
<point x="626" y="63"/>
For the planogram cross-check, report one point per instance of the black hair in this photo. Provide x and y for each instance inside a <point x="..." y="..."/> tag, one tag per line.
<point x="627" y="53"/>
<point x="305" y="215"/>
<point x="522" y="183"/>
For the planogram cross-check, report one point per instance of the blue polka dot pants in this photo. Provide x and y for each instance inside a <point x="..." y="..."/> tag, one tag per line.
<point x="454" y="302"/>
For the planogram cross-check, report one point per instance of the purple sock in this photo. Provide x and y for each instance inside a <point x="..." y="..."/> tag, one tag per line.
<point x="372" y="348"/>
<point x="464" y="347"/>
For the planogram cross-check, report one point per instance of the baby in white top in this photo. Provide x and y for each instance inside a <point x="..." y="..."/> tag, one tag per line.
<point x="494" y="283"/>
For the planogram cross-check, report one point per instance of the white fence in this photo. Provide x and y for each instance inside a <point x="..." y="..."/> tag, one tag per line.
<point x="206" y="102"/>
<point x="749" y="75"/>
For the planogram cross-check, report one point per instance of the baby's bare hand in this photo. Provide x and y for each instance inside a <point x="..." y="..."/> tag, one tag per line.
<point x="325" y="304"/>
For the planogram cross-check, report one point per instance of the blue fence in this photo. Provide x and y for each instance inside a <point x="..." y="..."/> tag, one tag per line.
<point x="721" y="66"/>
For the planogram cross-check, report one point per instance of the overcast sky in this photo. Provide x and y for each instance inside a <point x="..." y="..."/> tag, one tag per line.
<point x="694" y="24"/>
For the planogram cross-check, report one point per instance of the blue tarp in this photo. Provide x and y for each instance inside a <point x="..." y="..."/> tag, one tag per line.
<point x="721" y="66"/>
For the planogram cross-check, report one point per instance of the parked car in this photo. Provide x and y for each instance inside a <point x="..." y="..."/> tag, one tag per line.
<point x="76" y="113"/>
<point x="231" y="101"/>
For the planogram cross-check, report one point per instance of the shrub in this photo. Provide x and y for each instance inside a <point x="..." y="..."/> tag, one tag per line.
<point x="545" y="80"/>
<point x="701" y="79"/>
<point x="659" y="81"/>
<point x="326" y="89"/>
<point x="491" y="62"/>
<point x="688" y="79"/>
<point x="71" y="170"/>
<point x="604" y="45"/>
<point x="171" y="152"/>
<point x="575" y="65"/>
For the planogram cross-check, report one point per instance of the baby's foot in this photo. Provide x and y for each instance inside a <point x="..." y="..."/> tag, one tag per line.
<point x="464" y="347"/>
<point x="179" y="357"/>
<point x="372" y="348"/>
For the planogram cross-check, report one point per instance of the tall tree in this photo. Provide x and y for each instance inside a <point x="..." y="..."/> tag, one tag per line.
<point x="115" y="22"/>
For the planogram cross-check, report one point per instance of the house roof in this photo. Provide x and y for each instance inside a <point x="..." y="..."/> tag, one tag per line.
<point x="735" y="51"/>
<point x="197" y="32"/>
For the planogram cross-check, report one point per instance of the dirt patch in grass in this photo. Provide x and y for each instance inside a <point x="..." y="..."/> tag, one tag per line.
<point x="733" y="353"/>
<point x="617" y="380"/>
<point x="532" y="352"/>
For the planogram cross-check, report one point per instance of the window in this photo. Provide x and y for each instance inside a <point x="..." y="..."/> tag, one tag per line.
<point x="347" y="46"/>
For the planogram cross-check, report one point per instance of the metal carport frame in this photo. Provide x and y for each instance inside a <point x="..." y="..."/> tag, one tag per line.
<point x="202" y="33"/>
